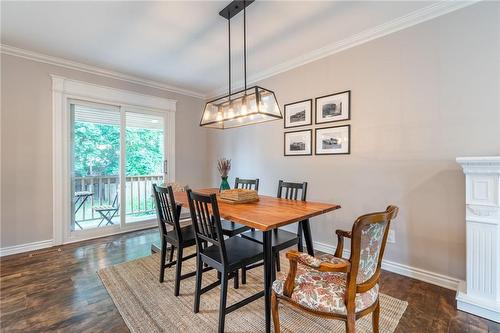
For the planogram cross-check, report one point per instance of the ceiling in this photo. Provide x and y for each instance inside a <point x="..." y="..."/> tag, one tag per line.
<point x="184" y="43"/>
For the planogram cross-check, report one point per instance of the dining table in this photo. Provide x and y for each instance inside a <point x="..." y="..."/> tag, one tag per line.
<point x="267" y="214"/>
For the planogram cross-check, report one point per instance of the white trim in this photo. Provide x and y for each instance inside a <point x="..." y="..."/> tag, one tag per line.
<point x="63" y="90"/>
<point x="112" y="95"/>
<point x="58" y="168"/>
<point x="416" y="17"/>
<point x="110" y="231"/>
<point x="22" y="248"/>
<point x="405" y="270"/>
<point x="479" y="307"/>
<point x="43" y="58"/>
<point x="170" y="145"/>
<point x="15" y="249"/>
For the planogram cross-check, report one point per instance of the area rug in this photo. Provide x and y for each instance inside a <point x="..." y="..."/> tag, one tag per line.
<point x="149" y="306"/>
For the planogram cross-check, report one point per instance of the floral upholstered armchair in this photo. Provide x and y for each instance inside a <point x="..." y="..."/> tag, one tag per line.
<point x="333" y="287"/>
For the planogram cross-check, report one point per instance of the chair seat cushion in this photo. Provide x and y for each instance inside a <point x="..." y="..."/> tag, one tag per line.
<point x="324" y="291"/>
<point x="281" y="239"/>
<point x="240" y="252"/>
<point x="230" y="228"/>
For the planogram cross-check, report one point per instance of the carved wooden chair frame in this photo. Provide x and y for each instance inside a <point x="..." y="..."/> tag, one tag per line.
<point x="350" y="267"/>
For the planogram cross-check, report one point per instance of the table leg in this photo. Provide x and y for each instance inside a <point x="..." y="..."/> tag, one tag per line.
<point x="306" y="228"/>
<point x="268" y="273"/>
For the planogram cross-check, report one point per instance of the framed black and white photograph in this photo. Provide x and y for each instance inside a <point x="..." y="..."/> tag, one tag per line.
<point x="298" y="143"/>
<point x="333" y="140"/>
<point x="298" y="114"/>
<point x="334" y="107"/>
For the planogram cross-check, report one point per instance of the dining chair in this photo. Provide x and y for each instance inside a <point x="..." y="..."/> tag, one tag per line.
<point x="230" y="228"/>
<point x="227" y="256"/>
<point x="168" y="215"/>
<point x="281" y="239"/>
<point x="333" y="287"/>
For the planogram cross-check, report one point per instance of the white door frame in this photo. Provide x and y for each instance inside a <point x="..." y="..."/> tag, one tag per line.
<point x="64" y="89"/>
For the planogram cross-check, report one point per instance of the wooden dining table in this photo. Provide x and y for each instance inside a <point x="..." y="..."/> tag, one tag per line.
<point x="266" y="215"/>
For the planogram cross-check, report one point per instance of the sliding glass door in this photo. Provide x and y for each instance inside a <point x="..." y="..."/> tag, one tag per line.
<point x="117" y="154"/>
<point x="145" y="156"/>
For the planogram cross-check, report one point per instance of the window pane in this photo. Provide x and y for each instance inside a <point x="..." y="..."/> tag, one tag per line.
<point x="144" y="163"/>
<point x="95" y="148"/>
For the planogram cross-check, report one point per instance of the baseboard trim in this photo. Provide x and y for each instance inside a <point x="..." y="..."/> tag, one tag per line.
<point x="401" y="269"/>
<point x="21" y="248"/>
<point x="28" y="247"/>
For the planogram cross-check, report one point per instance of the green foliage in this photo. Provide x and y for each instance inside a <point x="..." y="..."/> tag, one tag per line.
<point x="144" y="151"/>
<point x="97" y="150"/>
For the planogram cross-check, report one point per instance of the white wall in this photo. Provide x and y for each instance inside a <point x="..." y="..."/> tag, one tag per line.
<point x="26" y="139"/>
<point x="420" y="98"/>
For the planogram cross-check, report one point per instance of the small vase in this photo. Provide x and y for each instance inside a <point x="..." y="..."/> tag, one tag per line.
<point x="224" y="185"/>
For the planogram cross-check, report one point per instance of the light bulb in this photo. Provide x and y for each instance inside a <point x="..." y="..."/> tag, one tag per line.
<point x="230" y="113"/>
<point x="244" y="110"/>
<point x="262" y="107"/>
<point x="219" y="116"/>
<point x="206" y="116"/>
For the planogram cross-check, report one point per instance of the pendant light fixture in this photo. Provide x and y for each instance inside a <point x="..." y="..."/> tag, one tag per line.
<point x="245" y="107"/>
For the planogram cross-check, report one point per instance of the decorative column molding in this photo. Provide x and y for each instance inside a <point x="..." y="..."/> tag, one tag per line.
<point x="480" y="294"/>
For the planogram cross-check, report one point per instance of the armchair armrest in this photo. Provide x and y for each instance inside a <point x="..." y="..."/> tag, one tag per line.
<point x="340" y="265"/>
<point x="341" y="234"/>
<point x="295" y="257"/>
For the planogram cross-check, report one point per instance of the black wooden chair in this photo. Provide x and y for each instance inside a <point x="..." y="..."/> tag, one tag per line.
<point x="230" y="228"/>
<point x="168" y="213"/>
<point x="281" y="239"/>
<point x="227" y="256"/>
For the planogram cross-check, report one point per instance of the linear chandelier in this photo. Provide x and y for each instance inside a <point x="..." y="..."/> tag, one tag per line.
<point x="245" y="107"/>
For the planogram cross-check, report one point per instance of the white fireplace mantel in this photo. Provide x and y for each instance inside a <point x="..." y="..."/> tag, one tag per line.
<point x="480" y="293"/>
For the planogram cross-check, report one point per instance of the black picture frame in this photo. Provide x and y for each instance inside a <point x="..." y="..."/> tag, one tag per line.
<point x="285" y="115"/>
<point x="310" y="142"/>
<point x="333" y="153"/>
<point x="348" y="92"/>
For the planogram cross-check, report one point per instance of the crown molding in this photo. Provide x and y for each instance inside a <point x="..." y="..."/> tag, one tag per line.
<point x="413" y="18"/>
<point x="61" y="62"/>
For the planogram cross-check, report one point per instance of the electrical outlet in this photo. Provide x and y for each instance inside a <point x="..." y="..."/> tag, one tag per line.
<point x="391" y="237"/>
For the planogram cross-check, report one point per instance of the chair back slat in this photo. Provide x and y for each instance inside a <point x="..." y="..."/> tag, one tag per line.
<point x="247" y="184"/>
<point x="289" y="190"/>
<point x="206" y="221"/>
<point x="167" y="211"/>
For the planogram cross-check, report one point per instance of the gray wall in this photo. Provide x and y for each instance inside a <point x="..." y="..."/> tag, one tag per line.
<point x="26" y="144"/>
<point x="420" y="98"/>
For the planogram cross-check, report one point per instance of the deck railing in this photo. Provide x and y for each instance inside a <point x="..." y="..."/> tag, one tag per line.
<point x="138" y="192"/>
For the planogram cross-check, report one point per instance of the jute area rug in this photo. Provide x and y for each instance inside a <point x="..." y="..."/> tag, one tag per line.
<point x="149" y="306"/>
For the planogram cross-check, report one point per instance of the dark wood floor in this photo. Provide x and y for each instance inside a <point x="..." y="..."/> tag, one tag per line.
<point x="53" y="290"/>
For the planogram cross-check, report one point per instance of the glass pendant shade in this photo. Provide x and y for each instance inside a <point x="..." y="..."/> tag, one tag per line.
<point x="246" y="107"/>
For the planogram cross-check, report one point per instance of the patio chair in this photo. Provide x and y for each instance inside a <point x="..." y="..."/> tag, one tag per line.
<point x="107" y="212"/>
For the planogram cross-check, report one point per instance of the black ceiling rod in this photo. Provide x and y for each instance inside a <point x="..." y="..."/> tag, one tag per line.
<point x="229" y="32"/>
<point x="245" y="42"/>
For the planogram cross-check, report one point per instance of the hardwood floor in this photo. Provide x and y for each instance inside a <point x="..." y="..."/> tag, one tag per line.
<point x="51" y="290"/>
